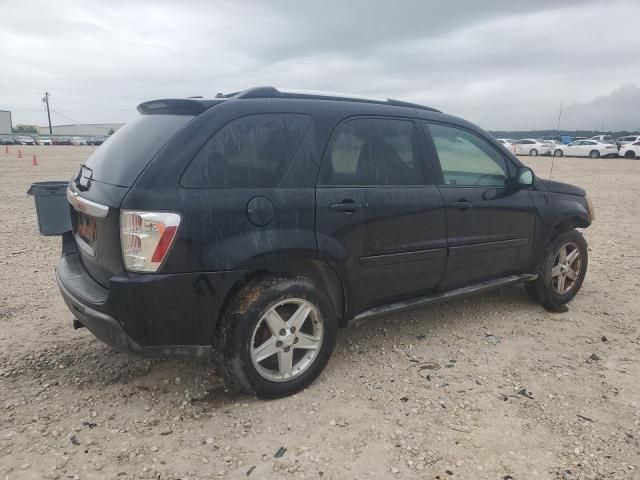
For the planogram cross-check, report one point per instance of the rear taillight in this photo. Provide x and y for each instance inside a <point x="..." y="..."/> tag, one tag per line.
<point x="146" y="238"/>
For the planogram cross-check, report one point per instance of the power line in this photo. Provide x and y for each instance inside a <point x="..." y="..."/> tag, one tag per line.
<point x="65" y="117"/>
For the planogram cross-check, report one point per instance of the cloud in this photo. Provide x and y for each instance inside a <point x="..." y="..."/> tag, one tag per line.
<point x="620" y="110"/>
<point x="501" y="63"/>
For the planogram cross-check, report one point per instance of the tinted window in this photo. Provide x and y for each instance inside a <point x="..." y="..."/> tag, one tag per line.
<point x="466" y="159"/>
<point x="127" y="152"/>
<point x="589" y="143"/>
<point x="252" y="151"/>
<point x="373" y="151"/>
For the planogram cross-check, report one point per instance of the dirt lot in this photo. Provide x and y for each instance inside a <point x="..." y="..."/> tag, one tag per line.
<point x="514" y="393"/>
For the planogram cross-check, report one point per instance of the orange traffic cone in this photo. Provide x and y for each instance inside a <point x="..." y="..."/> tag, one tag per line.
<point x="20" y="153"/>
<point x="34" y="161"/>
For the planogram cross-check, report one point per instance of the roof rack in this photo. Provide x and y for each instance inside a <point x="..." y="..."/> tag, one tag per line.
<point x="272" y="92"/>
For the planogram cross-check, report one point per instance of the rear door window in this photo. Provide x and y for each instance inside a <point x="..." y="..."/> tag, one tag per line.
<point x="373" y="151"/>
<point x="249" y="152"/>
<point x="123" y="156"/>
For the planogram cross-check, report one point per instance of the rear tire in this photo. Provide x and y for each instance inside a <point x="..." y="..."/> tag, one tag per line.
<point x="276" y="336"/>
<point x="533" y="152"/>
<point x="594" y="154"/>
<point x="561" y="272"/>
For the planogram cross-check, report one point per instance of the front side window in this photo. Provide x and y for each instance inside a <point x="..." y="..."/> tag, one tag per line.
<point x="249" y="152"/>
<point x="467" y="159"/>
<point x="373" y="151"/>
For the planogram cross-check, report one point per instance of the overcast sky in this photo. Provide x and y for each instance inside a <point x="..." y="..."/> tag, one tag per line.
<point x="503" y="64"/>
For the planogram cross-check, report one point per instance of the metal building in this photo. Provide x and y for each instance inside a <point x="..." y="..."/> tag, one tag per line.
<point x="5" y="122"/>
<point x="81" y="129"/>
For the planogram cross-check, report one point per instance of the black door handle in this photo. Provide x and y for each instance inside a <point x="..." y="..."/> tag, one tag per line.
<point x="346" y="206"/>
<point x="461" y="205"/>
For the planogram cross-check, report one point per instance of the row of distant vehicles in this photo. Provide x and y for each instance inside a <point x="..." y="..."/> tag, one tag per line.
<point x="53" y="140"/>
<point x="594" y="147"/>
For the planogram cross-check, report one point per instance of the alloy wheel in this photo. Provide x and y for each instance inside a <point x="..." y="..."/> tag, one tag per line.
<point x="286" y="340"/>
<point x="566" y="268"/>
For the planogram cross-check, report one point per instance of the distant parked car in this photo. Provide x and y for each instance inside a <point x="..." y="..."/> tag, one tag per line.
<point x="630" y="150"/>
<point x="628" y="139"/>
<point x="78" y="141"/>
<point x="531" y="146"/>
<point x="25" y="140"/>
<point x="551" y="143"/>
<point x="507" y="142"/>
<point x="7" y="141"/>
<point x="586" y="148"/>
<point x="63" y="141"/>
<point x="604" y="138"/>
<point x="96" y="140"/>
<point x="43" y="141"/>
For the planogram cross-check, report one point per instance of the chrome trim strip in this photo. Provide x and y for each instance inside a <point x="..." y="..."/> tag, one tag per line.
<point x="84" y="246"/>
<point x="86" y="206"/>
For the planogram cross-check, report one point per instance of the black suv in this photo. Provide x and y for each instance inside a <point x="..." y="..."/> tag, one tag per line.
<point x="261" y="221"/>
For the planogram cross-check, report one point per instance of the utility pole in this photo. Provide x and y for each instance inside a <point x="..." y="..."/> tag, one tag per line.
<point x="45" y="100"/>
<point x="559" y="117"/>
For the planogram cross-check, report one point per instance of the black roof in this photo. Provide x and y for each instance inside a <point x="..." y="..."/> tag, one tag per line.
<point x="197" y="105"/>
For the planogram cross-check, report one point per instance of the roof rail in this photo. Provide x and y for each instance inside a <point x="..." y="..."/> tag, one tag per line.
<point x="272" y="92"/>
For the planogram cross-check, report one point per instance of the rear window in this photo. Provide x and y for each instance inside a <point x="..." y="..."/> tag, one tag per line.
<point x="249" y="152"/>
<point x="123" y="156"/>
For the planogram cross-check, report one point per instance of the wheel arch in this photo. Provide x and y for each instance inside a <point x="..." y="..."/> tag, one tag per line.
<point x="292" y="265"/>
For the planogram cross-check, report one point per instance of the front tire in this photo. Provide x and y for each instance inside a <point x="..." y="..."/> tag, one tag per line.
<point x="594" y="154"/>
<point x="557" y="153"/>
<point x="276" y="336"/>
<point x="533" y="152"/>
<point x="629" y="154"/>
<point x="561" y="272"/>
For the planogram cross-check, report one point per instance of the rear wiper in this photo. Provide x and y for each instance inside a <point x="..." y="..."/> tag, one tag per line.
<point x="83" y="187"/>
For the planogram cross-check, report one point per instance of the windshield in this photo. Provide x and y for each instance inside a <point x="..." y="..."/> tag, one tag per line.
<point x="127" y="152"/>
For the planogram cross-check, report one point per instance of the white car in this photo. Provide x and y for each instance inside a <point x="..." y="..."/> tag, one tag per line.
<point x="43" y="141"/>
<point x="531" y="146"/>
<point x="25" y="140"/>
<point x="506" y="143"/>
<point x="628" y="139"/>
<point x="630" y="150"/>
<point x="78" y="141"/>
<point x="604" y="138"/>
<point x="586" y="148"/>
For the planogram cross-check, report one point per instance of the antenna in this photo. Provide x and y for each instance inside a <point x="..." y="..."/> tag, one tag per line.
<point x="553" y="154"/>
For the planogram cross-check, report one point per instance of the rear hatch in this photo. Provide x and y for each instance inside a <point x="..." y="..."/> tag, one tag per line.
<point x="97" y="191"/>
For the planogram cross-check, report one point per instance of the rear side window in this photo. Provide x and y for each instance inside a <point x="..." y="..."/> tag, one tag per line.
<point x="252" y="151"/>
<point x="123" y="156"/>
<point x="373" y="151"/>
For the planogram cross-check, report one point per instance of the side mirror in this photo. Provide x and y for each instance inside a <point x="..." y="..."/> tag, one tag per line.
<point x="525" y="177"/>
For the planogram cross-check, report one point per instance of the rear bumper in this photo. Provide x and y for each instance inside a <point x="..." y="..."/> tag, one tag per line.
<point x="103" y="326"/>
<point x="140" y="312"/>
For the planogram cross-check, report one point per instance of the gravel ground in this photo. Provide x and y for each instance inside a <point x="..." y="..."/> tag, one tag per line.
<point x="492" y="386"/>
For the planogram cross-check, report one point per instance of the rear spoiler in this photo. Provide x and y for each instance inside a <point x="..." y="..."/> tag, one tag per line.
<point x="177" y="106"/>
